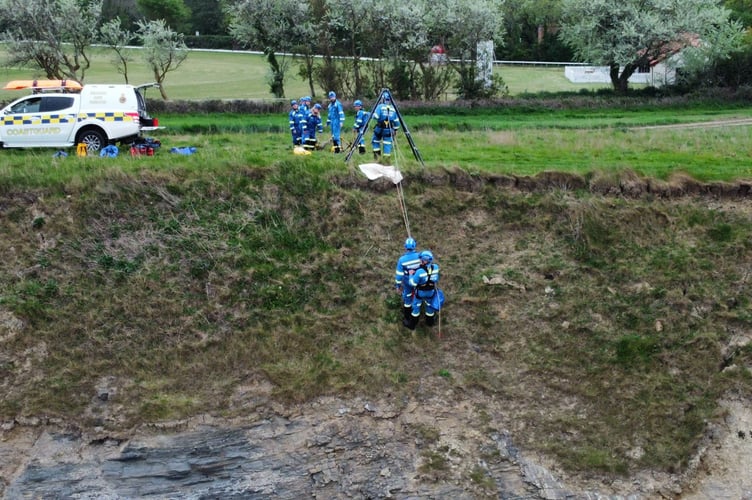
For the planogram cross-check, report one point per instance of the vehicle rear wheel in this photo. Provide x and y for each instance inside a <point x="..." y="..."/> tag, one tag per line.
<point x="94" y="139"/>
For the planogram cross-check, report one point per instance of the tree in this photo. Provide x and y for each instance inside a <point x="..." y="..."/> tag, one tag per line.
<point x="274" y="26"/>
<point x="173" y="12"/>
<point x="348" y="21"/>
<point x="722" y="60"/>
<point x="126" y="10"/>
<point x="55" y="35"/>
<point x="164" y="49"/>
<point x="313" y="41"/>
<point x="530" y="27"/>
<point x="741" y="10"/>
<point x="207" y="17"/>
<point x="627" y="34"/>
<point x="460" y="25"/>
<point x="407" y="46"/>
<point x="305" y="49"/>
<point x="117" y="38"/>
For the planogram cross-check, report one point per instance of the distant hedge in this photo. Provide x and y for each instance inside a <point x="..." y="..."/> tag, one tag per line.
<point x="210" y="42"/>
<point x="536" y="102"/>
<point x="247" y="106"/>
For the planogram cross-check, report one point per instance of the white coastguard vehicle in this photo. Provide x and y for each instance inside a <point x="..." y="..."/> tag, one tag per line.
<point x="63" y="113"/>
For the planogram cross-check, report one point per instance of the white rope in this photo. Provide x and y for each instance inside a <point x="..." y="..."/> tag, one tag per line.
<point x="400" y="192"/>
<point x="403" y="208"/>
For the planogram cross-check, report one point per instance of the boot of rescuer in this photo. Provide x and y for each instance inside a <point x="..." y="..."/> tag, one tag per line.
<point x="407" y="311"/>
<point x="410" y="322"/>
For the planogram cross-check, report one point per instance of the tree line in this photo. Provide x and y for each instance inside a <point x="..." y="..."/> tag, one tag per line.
<point x="419" y="49"/>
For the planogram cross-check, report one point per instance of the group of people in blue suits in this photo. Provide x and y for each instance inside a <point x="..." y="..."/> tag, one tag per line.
<point x="416" y="278"/>
<point x="305" y="122"/>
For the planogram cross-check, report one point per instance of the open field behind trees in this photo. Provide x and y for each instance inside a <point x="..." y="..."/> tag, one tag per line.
<point x="241" y="75"/>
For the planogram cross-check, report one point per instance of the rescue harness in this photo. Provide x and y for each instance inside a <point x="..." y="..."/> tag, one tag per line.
<point x="429" y="285"/>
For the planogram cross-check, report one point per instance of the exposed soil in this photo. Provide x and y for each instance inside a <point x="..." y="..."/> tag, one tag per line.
<point x="370" y="436"/>
<point x="722" y="466"/>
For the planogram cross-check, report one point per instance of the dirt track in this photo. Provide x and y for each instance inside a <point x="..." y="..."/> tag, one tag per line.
<point x="710" y="124"/>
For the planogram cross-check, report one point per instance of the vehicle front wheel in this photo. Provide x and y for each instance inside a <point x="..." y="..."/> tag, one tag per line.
<point x="94" y="139"/>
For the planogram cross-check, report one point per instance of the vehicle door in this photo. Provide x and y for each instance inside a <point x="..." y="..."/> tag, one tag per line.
<point x="147" y="123"/>
<point x="37" y="120"/>
<point x="15" y="127"/>
<point x="59" y="113"/>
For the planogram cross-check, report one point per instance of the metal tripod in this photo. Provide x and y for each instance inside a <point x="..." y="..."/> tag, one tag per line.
<point x="363" y="130"/>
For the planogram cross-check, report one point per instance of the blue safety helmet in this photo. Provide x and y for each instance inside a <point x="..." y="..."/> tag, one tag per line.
<point x="410" y="244"/>
<point x="426" y="256"/>
<point x="387" y="96"/>
<point x="317" y="106"/>
<point x="293" y="102"/>
<point x="306" y="98"/>
<point x="332" y="95"/>
<point x="358" y="103"/>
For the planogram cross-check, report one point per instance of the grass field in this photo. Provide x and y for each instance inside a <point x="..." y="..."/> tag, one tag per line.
<point x="242" y="75"/>
<point x="520" y="143"/>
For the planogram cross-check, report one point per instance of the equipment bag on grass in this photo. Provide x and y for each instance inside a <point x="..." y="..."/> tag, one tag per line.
<point x="437" y="301"/>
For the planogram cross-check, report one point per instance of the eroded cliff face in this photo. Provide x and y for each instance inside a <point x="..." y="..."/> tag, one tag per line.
<point x="441" y="442"/>
<point x="444" y="446"/>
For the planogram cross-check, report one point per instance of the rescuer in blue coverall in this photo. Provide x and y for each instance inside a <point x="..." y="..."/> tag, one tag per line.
<point x="406" y="265"/>
<point x="335" y="118"/>
<point x="311" y="125"/>
<point x="295" y="117"/>
<point x="304" y="105"/>
<point x="424" y="281"/>
<point x="387" y="123"/>
<point x="361" y="120"/>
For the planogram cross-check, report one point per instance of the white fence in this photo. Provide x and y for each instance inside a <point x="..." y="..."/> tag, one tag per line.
<point x="659" y="75"/>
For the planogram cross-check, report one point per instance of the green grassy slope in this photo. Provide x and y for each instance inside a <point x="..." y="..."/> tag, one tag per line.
<point x="182" y="286"/>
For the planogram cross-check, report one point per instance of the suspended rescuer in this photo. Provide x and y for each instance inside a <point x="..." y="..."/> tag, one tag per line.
<point x="387" y="123"/>
<point x="335" y="118"/>
<point x="312" y="124"/>
<point x="424" y="280"/>
<point x="406" y="266"/>
<point x="361" y="121"/>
